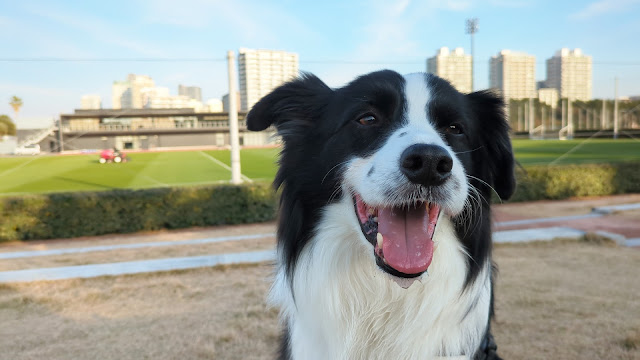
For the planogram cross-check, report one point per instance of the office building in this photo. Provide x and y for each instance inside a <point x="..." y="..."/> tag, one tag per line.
<point x="260" y="71"/>
<point x="213" y="105"/>
<point x="194" y="92"/>
<point x="570" y="73"/>
<point x="454" y="66"/>
<point x="513" y="74"/>
<point x="90" y="102"/>
<point x="128" y="94"/>
<point x="225" y="102"/>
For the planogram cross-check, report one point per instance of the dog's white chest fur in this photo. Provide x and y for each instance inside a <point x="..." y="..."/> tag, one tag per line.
<point x="347" y="308"/>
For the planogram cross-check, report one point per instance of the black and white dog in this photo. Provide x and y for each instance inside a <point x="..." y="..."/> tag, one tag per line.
<point x="384" y="233"/>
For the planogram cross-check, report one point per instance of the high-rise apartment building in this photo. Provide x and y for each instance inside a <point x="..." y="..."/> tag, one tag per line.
<point x="548" y="96"/>
<point x="90" y="102"/>
<point x="570" y="72"/>
<point x="513" y="74"/>
<point x="454" y="66"/>
<point x="260" y="71"/>
<point x="128" y="94"/>
<point x="194" y="92"/>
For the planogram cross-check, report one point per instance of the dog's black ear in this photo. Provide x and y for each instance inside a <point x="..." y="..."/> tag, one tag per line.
<point x="489" y="109"/>
<point x="293" y="105"/>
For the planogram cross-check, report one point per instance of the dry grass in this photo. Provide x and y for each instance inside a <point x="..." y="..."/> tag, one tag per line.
<point x="561" y="300"/>
<point x="101" y="257"/>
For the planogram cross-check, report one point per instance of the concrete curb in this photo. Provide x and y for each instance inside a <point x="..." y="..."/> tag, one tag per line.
<point x="539" y="234"/>
<point x="35" y="253"/>
<point x="134" y="267"/>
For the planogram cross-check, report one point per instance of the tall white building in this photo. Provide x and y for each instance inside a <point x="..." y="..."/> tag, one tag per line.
<point x="260" y="71"/>
<point x="454" y="66"/>
<point x="193" y="92"/>
<point x="570" y="72"/>
<point x="90" y="102"/>
<point x="127" y="94"/>
<point x="513" y="74"/>
<point x="548" y="96"/>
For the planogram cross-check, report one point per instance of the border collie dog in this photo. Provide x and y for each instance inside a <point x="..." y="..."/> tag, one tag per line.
<point x="384" y="232"/>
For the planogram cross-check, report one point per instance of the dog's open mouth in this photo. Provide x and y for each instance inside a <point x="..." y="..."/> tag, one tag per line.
<point x="402" y="236"/>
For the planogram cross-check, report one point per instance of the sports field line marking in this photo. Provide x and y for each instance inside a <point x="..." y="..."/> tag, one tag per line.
<point x="79" y="250"/>
<point x="223" y="165"/>
<point x="134" y="267"/>
<point x="10" y="170"/>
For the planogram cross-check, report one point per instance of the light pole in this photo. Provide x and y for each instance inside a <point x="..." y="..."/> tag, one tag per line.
<point x="472" y="28"/>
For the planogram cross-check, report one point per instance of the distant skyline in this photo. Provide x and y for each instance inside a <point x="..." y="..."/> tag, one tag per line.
<point x="335" y="40"/>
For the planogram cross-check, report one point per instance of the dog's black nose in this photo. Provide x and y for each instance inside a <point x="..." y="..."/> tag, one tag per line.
<point x="428" y="165"/>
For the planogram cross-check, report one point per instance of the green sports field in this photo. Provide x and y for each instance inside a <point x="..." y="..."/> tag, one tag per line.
<point x="36" y="174"/>
<point x="44" y="173"/>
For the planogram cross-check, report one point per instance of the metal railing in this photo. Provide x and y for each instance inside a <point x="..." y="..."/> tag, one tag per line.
<point x="178" y="125"/>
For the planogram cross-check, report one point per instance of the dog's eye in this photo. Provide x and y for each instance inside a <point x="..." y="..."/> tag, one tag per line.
<point x="454" y="129"/>
<point x="368" y="120"/>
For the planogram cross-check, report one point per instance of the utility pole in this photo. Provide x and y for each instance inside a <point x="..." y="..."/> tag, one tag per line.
<point x="532" y="121"/>
<point x="615" y="111"/>
<point x="233" y="120"/>
<point x="563" y="115"/>
<point x="569" y="119"/>
<point x="472" y="28"/>
<point x="603" y="120"/>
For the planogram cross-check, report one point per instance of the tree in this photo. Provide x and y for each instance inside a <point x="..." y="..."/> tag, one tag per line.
<point x="16" y="104"/>
<point x="7" y="127"/>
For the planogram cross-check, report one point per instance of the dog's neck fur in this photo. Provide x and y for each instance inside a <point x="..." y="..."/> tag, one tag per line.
<point x="340" y="305"/>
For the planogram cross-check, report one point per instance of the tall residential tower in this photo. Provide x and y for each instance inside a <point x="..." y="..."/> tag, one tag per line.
<point x="260" y="71"/>
<point x="513" y="73"/>
<point x="570" y="73"/>
<point x="454" y="66"/>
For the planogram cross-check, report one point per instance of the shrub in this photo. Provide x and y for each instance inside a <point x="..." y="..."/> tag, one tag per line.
<point x="561" y="182"/>
<point x="64" y="215"/>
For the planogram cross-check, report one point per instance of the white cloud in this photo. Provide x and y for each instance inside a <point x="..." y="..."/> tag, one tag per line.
<point x="602" y="7"/>
<point x="510" y="3"/>
<point x="258" y="22"/>
<point x="97" y="28"/>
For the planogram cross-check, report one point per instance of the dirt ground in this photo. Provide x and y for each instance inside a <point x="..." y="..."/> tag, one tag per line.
<point x="559" y="300"/>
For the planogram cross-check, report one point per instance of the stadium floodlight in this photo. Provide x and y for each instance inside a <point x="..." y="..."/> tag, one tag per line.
<point x="472" y="28"/>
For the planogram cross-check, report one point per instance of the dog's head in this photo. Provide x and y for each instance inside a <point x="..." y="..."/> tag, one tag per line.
<point x="407" y="150"/>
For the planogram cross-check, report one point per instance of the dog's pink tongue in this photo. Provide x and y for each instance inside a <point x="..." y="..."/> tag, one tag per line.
<point x="408" y="245"/>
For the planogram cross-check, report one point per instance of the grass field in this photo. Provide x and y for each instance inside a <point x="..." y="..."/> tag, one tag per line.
<point x="559" y="300"/>
<point x="149" y="169"/>
<point x="20" y="175"/>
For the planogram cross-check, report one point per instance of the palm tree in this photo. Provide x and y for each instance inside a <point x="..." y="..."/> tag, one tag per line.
<point x="16" y="104"/>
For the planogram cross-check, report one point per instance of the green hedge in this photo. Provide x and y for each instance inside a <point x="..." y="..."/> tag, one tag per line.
<point x="565" y="181"/>
<point x="64" y="215"/>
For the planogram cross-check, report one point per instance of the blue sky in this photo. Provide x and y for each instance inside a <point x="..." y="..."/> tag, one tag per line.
<point x="337" y="40"/>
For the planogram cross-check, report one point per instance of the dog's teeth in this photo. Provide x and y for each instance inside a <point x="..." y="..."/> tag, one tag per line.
<point x="380" y="239"/>
<point x="375" y="218"/>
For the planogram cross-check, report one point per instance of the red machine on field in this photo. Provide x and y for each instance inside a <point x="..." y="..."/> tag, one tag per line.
<point x="113" y="155"/>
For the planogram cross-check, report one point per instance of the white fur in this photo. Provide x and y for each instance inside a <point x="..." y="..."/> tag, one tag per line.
<point x="347" y="308"/>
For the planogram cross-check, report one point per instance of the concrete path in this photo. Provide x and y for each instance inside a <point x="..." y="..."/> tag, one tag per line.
<point x="78" y="250"/>
<point x="134" y="267"/>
